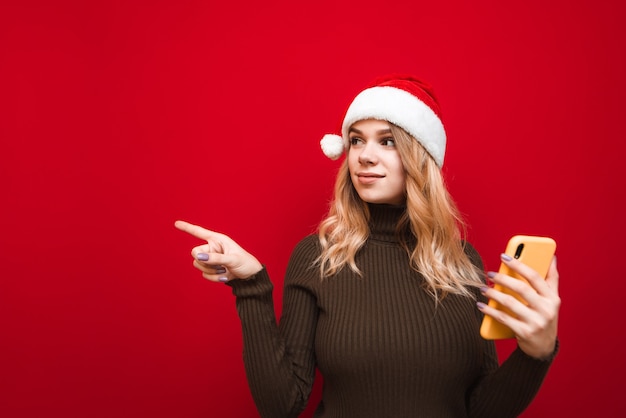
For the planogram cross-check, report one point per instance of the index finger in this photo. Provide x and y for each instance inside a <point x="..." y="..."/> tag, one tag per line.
<point x="195" y="230"/>
<point x="553" y="274"/>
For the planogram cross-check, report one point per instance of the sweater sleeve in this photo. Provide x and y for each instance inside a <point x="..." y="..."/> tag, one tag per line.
<point x="506" y="390"/>
<point x="279" y="360"/>
<point x="509" y="389"/>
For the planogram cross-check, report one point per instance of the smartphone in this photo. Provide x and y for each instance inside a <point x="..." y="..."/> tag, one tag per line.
<point x="536" y="252"/>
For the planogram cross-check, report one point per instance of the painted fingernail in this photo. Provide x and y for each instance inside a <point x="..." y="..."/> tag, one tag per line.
<point x="491" y="274"/>
<point x="202" y="257"/>
<point x="223" y="279"/>
<point x="481" y="305"/>
<point x="220" y="271"/>
<point x="506" y="257"/>
<point x="483" y="289"/>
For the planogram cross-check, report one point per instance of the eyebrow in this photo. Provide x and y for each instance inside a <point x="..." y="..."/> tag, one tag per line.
<point x="380" y="132"/>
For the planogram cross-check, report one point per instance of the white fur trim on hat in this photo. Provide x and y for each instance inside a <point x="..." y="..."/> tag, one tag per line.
<point x="402" y="109"/>
<point x="332" y="146"/>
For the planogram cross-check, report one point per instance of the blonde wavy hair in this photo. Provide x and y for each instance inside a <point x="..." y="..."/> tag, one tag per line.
<point x="431" y="214"/>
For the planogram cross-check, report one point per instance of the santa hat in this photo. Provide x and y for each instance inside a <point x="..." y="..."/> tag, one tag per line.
<point x="402" y="100"/>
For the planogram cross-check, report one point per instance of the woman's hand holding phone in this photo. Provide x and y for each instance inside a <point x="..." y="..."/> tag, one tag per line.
<point x="522" y="303"/>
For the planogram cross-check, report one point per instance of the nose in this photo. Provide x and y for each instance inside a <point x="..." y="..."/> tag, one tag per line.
<point x="368" y="154"/>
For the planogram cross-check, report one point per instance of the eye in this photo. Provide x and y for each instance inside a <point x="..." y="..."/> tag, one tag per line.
<point x="388" y="142"/>
<point x="354" y="140"/>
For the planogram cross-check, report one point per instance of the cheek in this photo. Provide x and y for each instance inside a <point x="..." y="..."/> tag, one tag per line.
<point x="400" y="181"/>
<point x="400" y="174"/>
<point x="397" y="167"/>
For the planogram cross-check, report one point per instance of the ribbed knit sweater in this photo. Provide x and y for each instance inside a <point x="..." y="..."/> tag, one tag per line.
<point x="382" y="345"/>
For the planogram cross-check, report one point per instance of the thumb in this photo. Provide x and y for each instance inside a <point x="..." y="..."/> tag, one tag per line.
<point x="220" y="259"/>
<point x="553" y="274"/>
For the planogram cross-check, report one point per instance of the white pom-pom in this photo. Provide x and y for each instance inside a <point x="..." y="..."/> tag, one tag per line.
<point x="332" y="146"/>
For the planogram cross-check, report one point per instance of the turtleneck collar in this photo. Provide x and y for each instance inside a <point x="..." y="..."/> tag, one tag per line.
<point x="383" y="221"/>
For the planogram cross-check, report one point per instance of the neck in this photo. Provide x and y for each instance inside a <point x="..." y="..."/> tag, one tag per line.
<point x="384" y="221"/>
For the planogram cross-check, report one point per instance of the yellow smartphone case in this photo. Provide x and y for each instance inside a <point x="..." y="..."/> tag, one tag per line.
<point x="536" y="252"/>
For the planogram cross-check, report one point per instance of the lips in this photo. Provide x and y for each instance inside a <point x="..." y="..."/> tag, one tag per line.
<point x="368" y="178"/>
<point x="370" y="175"/>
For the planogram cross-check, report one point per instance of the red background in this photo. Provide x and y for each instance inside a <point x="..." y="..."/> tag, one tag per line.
<point x="117" y="118"/>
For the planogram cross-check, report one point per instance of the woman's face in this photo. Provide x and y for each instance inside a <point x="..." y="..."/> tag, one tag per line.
<point x="374" y="163"/>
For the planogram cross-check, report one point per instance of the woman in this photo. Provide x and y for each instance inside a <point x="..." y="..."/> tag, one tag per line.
<point x="387" y="299"/>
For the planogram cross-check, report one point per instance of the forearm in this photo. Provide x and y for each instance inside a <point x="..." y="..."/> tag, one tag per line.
<point x="508" y="390"/>
<point x="279" y="386"/>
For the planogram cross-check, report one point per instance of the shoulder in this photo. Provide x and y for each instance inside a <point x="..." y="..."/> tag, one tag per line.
<point x="307" y="249"/>
<point x="303" y="257"/>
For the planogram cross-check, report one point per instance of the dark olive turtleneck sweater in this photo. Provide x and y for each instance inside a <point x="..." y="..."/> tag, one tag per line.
<point x="382" y="345"/>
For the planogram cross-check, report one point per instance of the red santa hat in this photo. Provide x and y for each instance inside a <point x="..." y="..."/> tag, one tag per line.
<point x="402" y="100"/>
